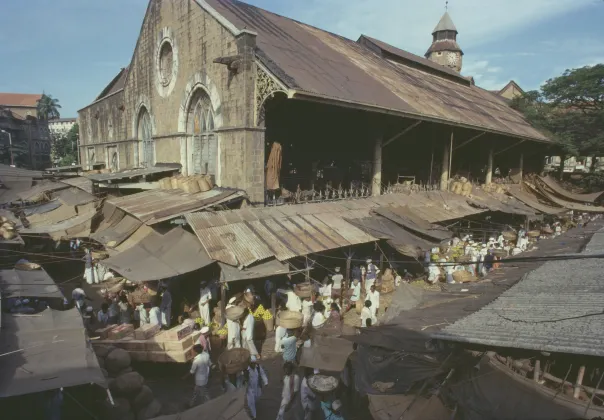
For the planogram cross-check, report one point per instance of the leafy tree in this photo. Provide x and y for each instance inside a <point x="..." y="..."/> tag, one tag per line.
<point x="570" y="109"/>
<point x="48" y="107"/>
<point x="65" y="147"/>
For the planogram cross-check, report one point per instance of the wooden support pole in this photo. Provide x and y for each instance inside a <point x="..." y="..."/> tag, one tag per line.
<point x="402" y="133"/>
<point x="537" y="370"/>
<point x="444" y="174"/>
<point x="489" y="174"/>
<point x="471" y="140"/>
<point x="579" y="381"/>
<point x="223" y="300"/>
<point x="274" y="304"/>
<point x="450" y="156"/>
<point x="346" y="284"/>
<point x="381" y="262"/>
<point x="521" y="166"/>
<point x="376" y="185"/>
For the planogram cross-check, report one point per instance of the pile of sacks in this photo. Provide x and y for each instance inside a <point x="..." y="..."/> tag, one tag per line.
<point x="133" y="399"/>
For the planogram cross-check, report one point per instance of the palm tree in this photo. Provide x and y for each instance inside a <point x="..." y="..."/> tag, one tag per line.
<point x="48" y="107"/>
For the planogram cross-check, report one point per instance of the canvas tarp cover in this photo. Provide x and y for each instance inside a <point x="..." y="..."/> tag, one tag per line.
<point x="567" y="204"/>
<point x="54" y="353"/>
<point x="59" y="214"/>
<point x="403" y="241"/>
<point x="73" y="196"/>
<point x="499" y="202"/>
<point x="407" y="407"/>
<point x="406" y="217"/>
<point x="326" y="353"/>
<point x="42" y="208"/>
<point x="74" y="227"/>
<point x="159" y="257"/>
<point x="230" y="406"/>
<point x="32" y="284"/>
<point x="495" y="393"/>
<point x="113" y="234"/>
<point x="563" y="192"/>
<point x="268" y="268"/>
<point x="532" y="201"/>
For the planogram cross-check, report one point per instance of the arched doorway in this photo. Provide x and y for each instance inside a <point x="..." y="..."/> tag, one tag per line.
<point x="145" y="135"/>
<point x="204" y="142"/>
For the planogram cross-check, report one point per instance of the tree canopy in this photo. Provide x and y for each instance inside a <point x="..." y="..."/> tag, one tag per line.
<point x="65" y="147"/>
<point x="48" y="107"/>
<point x="570" y="108"/>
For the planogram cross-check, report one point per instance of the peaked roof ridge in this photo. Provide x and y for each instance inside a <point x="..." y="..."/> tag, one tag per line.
<point x="445" y="24"/>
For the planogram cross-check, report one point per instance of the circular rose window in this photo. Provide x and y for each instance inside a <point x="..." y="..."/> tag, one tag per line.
<point x="166" y="63"/>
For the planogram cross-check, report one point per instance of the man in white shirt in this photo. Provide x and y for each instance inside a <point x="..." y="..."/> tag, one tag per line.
<point x="367" y="313"/>
<point x="374" y="297"/>
<point x="200" y="369"/>
<point x="257" y="380"/>
<point x="247" y="334"/>
<point x="233" y="330"/>
<point x="293" y="302"/>
<point x="336" y="287"/>
<point x="205" y="295"/>
<point x="356" y="293"/>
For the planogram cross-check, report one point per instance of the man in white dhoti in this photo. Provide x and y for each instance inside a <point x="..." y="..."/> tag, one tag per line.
<point x="233" y="330"/>
<point x="205" y="295"/>
<point x="256" y="380"/>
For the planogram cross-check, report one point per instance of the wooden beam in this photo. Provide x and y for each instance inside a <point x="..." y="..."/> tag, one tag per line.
<point x="471" y="140"/>
<point x="509" y="147"/>
<point x="402" y="133"/>
<point x="579" y="382"/>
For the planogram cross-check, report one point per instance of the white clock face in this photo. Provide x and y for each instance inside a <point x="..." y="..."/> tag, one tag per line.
<point x="452" y="58"/>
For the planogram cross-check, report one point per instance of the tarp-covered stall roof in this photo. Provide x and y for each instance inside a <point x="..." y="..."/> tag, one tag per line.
<point x="406" y="217"/>
<point x="73" y="196"/>
<point x="568" y="195"/>
<point x="532" y="201"/>
<point x="73" y="227"/>
<point x="155" y="206"/>
<point x="45" y="352"/>
<point x="80" y="182"/>
<point x="555" y="308"/>
<point x="257" y="271"/>
<point x="500" y="202"/>
<point x="547" y="193"/>
<point x="326" y="353"/>
<point x="132" y="173"/>
<point x="229" y="406"/>
<point x="28" y="283"/>
<point x="158" y="257"/>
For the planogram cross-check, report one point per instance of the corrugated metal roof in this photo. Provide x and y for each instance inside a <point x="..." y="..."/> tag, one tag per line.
<point x="73" y="196"/>
<point x="243" y="237"/>
<point x="321" y="64"/>
<point x="78" y="226"/>
<point x="556" y="308"/>
<point x="132" y="173"/>
<point x="41" y="187"/>
<point x="265" y="269"/>
<point x="500" y="202"/>
<point x="80" y="182"/>
<point x="155" y="206"/>
<point x="34" y="283"/>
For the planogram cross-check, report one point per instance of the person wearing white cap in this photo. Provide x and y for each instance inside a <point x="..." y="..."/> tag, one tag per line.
<point x="256" y="380"/>
<point x="332" y="411"/>
<point x="233" y="330"/>
<point x="205" y="295"/>
<point x="370" y="275"/>
<point x="309" y="399"/>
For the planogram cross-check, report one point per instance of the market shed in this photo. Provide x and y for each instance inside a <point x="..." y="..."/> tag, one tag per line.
<point x="158" y="257"/>
<point x="28" y="283"/>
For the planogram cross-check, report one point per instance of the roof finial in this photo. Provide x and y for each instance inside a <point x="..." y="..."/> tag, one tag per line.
<point x="446" y="5"/>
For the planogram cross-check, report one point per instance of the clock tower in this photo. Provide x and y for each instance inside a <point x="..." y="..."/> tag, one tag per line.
<point x="444" y="49"/>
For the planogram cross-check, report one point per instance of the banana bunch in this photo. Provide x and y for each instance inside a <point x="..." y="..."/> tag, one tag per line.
<point x="199" y="321"/>
<point x="222" y="332"/>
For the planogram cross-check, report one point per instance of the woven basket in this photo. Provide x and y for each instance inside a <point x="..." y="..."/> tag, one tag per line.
<point x="303" y="290"/>
<point x="501" y="253"/>
<point x="234" y="360"/>
<point x="533" y="234"/>
<point x="314" y="380"/>
<point x="7" y="234"/>
<point x="289" y="319"/>
<point x="99" y="255"/>
<point x="204" y="185"/>
<point x="547" y="231"/>
<point x="235" y="312"/>
<point x="28" y="266"/>
<point x="509" y="236"/>
<point x="463" y="276"/>
<point x="174" y="182"/>
<point x="191" y="186"/>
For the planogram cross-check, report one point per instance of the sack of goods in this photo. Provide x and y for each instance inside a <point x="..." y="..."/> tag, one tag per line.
<point x="290" y="319"/>
<point x="456" y="188"/>
<point x="509" y="235"/>
<point x="234" y="360"/>
<point x="463" y="276"/>
<point x="466" y="189"/>
<point x="235" y="313"/>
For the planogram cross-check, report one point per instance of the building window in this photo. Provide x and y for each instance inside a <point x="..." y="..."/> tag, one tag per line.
<point x="166" y="63"/>
<point x="205" y="147"/>
<point x="145" y="135"/>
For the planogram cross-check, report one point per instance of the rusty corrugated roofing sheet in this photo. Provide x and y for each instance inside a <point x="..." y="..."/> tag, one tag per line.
<point x="80" y="182"/>
<point x="155" y="206"/>
<point x="318" y="63"/>
<point x="243" y="237"/>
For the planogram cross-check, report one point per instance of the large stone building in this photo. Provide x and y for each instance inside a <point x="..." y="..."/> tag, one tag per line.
<point x="22" y="133"/>
<point x="216" y="86"/>
<point x="60" y="126"/>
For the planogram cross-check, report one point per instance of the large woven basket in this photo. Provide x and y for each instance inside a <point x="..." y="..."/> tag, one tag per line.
<point x="28" y="266"/>
<point x="303" y="290"/>
<point x="533" y="234"/>
<point x="501" y="253"/>
<point x="234" y="360"/>
<point x="547" y="231"/>
<point x="509" y="235"/>
<point x="235" y="313"/>
<point x="289" y="319"/>
<point x="323" y="384"/>
<point x="463" y="276"/>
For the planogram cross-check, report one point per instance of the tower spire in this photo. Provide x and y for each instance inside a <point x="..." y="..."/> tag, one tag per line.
<point x="444" y="49"/>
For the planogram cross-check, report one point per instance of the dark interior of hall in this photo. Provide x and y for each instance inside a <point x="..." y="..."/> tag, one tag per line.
<point x="328" y="147"/>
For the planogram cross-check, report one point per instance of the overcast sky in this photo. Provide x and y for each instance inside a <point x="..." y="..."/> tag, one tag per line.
<point x="72" y="48"/>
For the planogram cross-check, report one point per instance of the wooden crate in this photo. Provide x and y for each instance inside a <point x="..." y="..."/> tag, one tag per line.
<point x="103" y="333"/>
<point x="180" y="345"/>
<point x="178" y="333"/>
<point x="121" y="331"/>
<point x="146" y="331"/>
<point x="139" y="356"/>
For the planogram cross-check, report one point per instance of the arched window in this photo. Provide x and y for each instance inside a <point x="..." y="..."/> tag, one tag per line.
<point x="145" y="134"/>
<point x="205" y="148"/>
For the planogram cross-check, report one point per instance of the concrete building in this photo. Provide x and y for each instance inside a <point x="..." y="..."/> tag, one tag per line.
<point x="22" y="105"/>
<point x="60" y="126"/>
<point x="28" y="139"/>
<point x="224" y="88"/>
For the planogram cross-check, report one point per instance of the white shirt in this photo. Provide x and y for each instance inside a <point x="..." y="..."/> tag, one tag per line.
<point x="374" y="297"/>
<point x="356" y="292"/>
<point x="318" y="319"/>
<point x="205" y="295"/>
<point x="293" y="302"/>
<point x="248" y="325"/>
<point x="155" y="316"/>
<point x="200" y="368"/>
<point x="308" y="397"/>
<point x="337" y="280"/>
<point x="326" y="290"/>
<point x="367" y="314"/>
